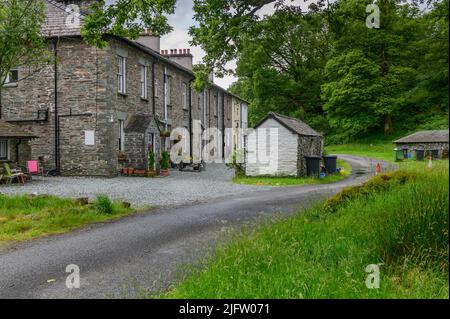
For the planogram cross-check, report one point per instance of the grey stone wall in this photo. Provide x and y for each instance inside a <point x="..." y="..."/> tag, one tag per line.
<point x="308" y="146"/>
<point x="442" y="147"/>
<point x="88" y="100"/>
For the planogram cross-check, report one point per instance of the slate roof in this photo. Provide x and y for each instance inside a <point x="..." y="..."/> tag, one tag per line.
<point x="439" y="136"/>
<point x="294" y="125"/>
<point x="13" y="131"/>
<point x="138" y="123"/>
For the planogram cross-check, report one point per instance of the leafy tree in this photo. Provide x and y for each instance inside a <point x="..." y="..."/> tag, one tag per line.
<point x="126" y="18"/>
<point x="21" y="44"/>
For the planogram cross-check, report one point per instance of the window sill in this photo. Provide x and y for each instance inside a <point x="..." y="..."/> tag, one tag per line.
<point x="10" y="85"/>
<point x="122" y="94"/>
<point x="144" y="99"/>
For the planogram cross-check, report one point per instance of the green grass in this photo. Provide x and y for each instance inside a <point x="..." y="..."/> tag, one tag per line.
<point x="383" y="150"/>
<point x="294" y="181"/>
<point x="398" y="220"/>
<point x="24" y="217"/>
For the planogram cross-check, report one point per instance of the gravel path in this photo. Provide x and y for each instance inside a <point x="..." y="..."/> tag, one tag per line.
<point x="177" y="189"/>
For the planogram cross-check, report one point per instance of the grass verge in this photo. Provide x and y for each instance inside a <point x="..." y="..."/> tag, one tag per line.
<point x="398" y="221"/>
<point x="26" y="217"/>
<point x="294" y="181"/>
<point x="383" y="151"/>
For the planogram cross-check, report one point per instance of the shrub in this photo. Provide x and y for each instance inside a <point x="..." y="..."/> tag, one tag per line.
<point x="151" y="160"/>
<point x="104" y="205"/>
<point x="377" y="184"/>
<point x="165" y="162"/>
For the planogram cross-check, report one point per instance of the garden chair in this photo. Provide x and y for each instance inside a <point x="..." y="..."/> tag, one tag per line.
<point x="34" y="169"/>
<point x="10" y="176"/>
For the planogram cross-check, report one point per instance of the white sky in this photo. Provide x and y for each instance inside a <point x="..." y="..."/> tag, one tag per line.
<point x="179" y="38"/>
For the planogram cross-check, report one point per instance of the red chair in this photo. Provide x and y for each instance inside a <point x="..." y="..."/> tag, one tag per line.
<point x="34" y="169"/>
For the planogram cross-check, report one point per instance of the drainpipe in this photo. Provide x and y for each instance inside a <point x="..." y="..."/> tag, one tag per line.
<point x="223" y="125"/>
<point x="153" y="90"/>
<point x="191" y="135"/>
<point x="57" y="159"/>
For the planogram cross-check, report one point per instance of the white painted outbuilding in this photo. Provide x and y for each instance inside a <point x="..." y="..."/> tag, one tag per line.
<point x="278" y="146"/>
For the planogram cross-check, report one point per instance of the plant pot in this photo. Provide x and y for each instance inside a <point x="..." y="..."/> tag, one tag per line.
<point x="124" y="171"/>
<point x="130" y="171"/>
<point x="164" y="172"/>
<point x="139" y="172"/>
<point x="151" y="173"/>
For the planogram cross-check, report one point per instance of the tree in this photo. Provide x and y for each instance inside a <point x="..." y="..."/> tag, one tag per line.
<point x="126" y="18"/>
<point x="21" y="44"/>
<point x="370" y="70"/>
<point x="282" y="60"/>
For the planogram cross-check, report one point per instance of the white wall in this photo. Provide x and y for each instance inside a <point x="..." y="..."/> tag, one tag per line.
<point x="283" y="156"/>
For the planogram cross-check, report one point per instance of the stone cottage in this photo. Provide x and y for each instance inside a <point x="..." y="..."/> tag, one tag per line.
<point x="92" y="106"/>
<point x="425" y="140"/>
<point x="287" y="141"/>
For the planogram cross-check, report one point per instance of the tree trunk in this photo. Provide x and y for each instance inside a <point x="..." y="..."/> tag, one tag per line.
<point x="388" y="127"/>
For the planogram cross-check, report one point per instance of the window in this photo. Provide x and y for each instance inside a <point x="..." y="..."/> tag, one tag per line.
<point x="184" y="95"/>
<point x="4" y="149"/>
<point x="144" y="87"/>
<point x="156" y="88"/>
<point x="122" y="74"/>
<point x="12" y="77"/>
<point x="121" y="141"/>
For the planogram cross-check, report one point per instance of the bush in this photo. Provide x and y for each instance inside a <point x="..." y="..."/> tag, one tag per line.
<point x="151" y="160"/>
<point x="165" y="162"/>
<point x="104" y="205"/>
<point x="377" y="184"/>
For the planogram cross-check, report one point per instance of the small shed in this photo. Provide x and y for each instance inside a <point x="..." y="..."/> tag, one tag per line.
<point x="427" y="141"/>
<point x="14" y="146"/>
<point x="295" y="140"/>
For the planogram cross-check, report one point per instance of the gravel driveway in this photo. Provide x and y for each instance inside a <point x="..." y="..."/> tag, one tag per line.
<point x="177" y="189"/>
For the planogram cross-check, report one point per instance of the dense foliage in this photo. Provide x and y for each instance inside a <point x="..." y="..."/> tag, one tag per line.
<point x="347" y="80"/>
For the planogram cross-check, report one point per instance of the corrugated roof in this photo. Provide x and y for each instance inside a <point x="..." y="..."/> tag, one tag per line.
<point x="438" y="136"/>
<point x="13" y="131"/>
<point x="293" y="124"/>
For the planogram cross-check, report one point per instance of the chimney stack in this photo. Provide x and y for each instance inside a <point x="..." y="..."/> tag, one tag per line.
<point x="148" y="39"/>
<point x="181" y="56"/>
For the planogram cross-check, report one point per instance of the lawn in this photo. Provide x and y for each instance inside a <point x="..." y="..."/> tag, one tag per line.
<point x="398" y="221"/>
<point x="294" y="181"/>
<point x="27" y="217"/>
<point x="383" y="150"/>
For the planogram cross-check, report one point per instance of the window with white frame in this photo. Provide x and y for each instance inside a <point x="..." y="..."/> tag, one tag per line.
<point x="156" y="89"/>
<point x="144" y="83"/>
<point x="12" y="77"/>
<point x="184" y="95"/>
<point x="4" y="150"/>
<point x="122" y="74"/>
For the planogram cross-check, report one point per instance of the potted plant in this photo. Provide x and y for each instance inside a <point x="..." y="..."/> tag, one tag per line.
<point x="165" y="163"/>
<point x="151" y="164"/>
<point x="121" y="157"/>
<point x="139" y="172"/>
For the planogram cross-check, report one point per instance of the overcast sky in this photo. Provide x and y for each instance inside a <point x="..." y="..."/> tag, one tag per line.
<point x="179" y="38"/>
